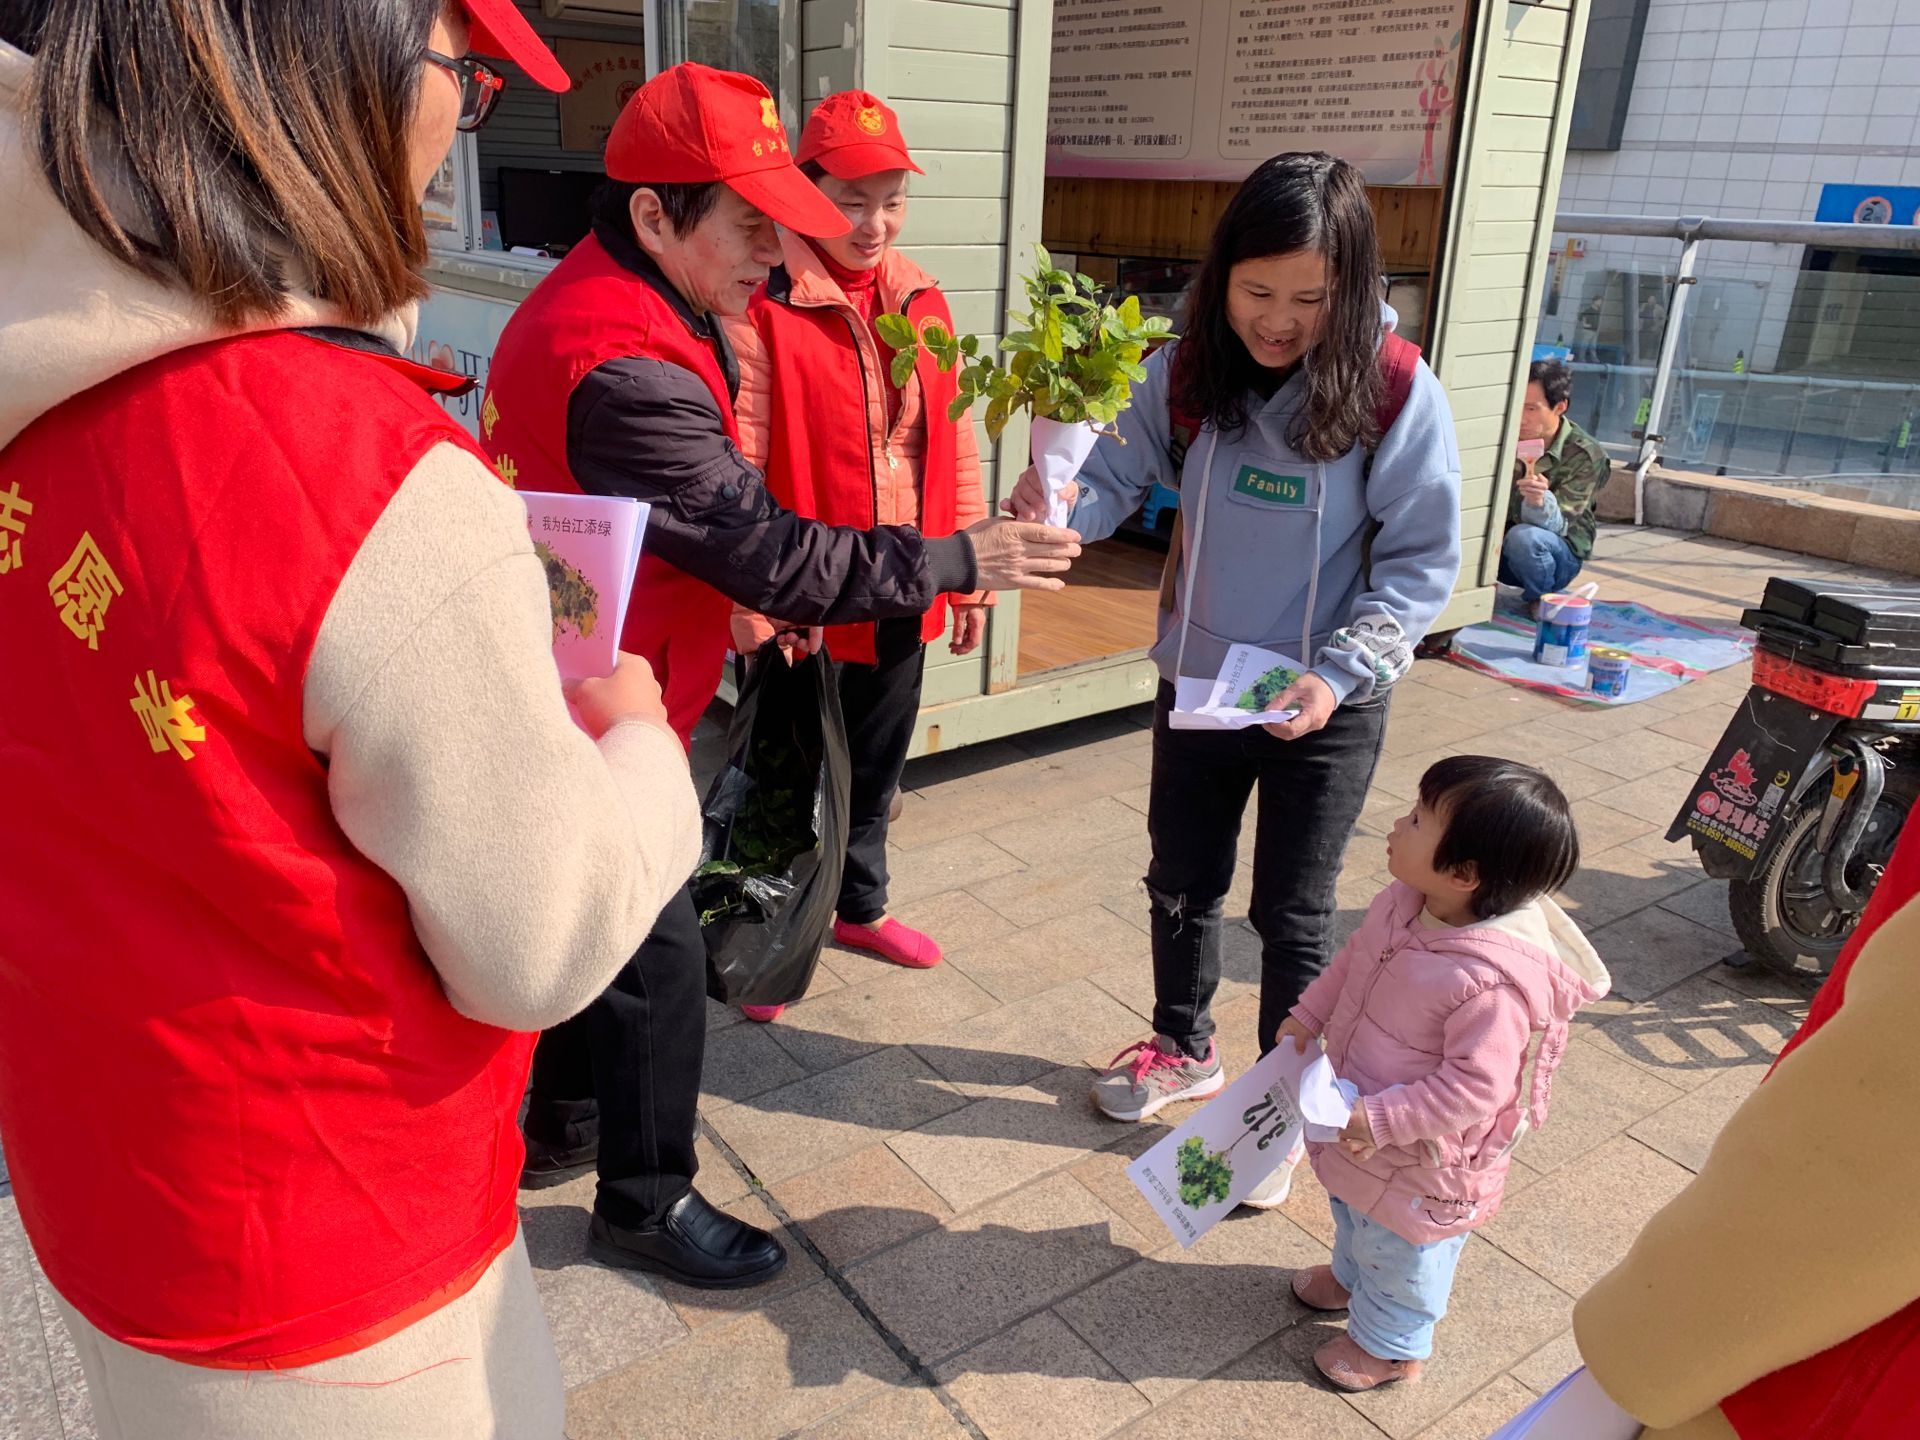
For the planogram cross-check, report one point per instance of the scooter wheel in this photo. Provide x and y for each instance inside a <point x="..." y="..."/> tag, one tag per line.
<point x="1782" y="914"/>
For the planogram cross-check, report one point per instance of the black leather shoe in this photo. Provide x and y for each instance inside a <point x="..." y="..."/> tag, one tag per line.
<point x="696" y="1245"/>
<point x="550" y="1165"/>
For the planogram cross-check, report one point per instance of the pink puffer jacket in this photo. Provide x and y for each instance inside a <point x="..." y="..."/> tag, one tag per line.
<point x="1432" y="1024"/>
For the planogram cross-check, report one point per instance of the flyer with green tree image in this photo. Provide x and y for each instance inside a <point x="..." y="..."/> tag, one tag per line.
<point x="1213" y="1159"/>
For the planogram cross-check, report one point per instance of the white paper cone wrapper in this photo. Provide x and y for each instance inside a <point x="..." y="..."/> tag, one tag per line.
<point x="1059" y="449"/>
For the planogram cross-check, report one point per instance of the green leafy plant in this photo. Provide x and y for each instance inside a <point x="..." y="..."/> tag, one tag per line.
<point x="1073" y="356"/>
<point x="932" y="338"/>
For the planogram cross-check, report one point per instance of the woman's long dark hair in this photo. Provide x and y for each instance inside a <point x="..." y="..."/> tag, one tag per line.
<point x="241" y="148"/>
<point x="1293" y="202"/>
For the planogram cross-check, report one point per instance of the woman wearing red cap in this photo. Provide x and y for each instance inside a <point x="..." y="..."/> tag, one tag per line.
<point x="819" y="412"/>
<point x="300" y="842"/>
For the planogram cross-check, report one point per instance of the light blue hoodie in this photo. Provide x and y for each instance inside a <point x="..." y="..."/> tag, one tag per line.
<point x="1281" y="541"/>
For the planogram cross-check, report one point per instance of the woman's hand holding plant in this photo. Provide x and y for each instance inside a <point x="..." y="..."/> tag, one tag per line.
<point x="1029" y="498"/>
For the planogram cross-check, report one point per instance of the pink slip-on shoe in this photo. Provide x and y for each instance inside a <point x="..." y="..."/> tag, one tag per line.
<point x="762" y="1014"/>
<point x="902" y="944"/>
<point x="1348" y="1367"/>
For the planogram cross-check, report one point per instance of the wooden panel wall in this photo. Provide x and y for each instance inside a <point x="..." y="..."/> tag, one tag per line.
<point x="1516" y="113"/>
<point x="1175" y="218"/>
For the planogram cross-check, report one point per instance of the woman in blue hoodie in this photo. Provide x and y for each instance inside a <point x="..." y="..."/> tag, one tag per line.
<point x="1304" y="529"/>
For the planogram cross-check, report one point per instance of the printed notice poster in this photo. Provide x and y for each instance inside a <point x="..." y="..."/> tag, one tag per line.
<point x="1207" y="89"/>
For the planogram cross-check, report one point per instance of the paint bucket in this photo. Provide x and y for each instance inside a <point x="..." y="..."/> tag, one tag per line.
<point x="1607" y="671"/>
<point x="1562" y="636"/>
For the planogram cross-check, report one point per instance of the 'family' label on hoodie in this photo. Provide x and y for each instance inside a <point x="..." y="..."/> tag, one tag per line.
<point x="1261" y="484"/>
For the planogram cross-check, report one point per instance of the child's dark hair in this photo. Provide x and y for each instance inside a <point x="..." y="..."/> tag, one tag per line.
<point x="1509" y="822"/>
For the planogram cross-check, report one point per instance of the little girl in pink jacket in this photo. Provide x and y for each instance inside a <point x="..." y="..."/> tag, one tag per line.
<point x="1429" y="1010"/>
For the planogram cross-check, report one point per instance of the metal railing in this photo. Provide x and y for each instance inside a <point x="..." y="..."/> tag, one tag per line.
<point x="1873" y="420"/>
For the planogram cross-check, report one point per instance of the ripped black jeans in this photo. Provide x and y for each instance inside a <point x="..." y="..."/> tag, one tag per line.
<point x="1311" y="792"/>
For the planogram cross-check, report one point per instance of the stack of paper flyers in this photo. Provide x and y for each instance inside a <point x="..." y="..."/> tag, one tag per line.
<point x="590" y="545"/>
<point x="1196" y="1175"/>
<point x="1238" y="696"/>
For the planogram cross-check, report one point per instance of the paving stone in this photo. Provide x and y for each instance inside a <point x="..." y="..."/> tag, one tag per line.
<point x="1500" y="1312"/>
<point x="1602" y="828"/>
<point x="1531" y="742"/>
<point x="888" y="1005"/>
<point x="955" y="863"/>
<point x="1011" y="1044"/>
<point x="860" y="1204"/>
<point x="602" y="1318"/>
<point x="930" y="772"/>
<point x="1137" y="798"/>
<point x="1399" y="775"/>
<point x="1685" y="1130"/>
<point x="1696" y="1030"/>
<point x="1379" y="813"/>
<point x="1702" y="725"/>
<point x="1596" y="1095"/>
<point x="69" y="1379"/>
<point x="1655" y="949"/>
<point x="1036" y="895"/>
<point x="1614" y="884"/>
<point x="812" y="1121"/>
<point x="951" y="1288"/>
<point x="719" y="1182"/>
<point x="1040" y="1381"/>
<point x="1266" y="1394"/>
<point x="1105" y="1174"/>
<point x="1045" y="839"/>
<point x="1000" y="1143"/>
<point x="1573" y="1227"/>
<point x="719" y="1016"/>
<point x="1220" y="1298"/>
<point x="1480" y="1415"/>
<point x="1072" y="944"/>
<point x="1705" y="904"/>
<point x="29" y="1396"/>
<point x="1549" y="1365"/>
<point x="956" y="919"/>
<point x="804" y="1356"/>
<point x="1455" y="679"/>
<point x="1596" y="724"/>
<point x="743" y="1061"/>
<point x="1412" y="731"/>
<point x="1642" y="753"/>
<point x="1655" y="797"/>
<point x="900" y="1412"/>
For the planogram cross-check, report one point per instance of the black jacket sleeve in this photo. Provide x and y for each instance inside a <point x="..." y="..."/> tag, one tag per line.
<point x="649" y="429"/>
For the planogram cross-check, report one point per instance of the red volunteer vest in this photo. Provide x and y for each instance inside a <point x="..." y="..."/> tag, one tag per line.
<point x="590" y="310"/>
<point x="246" y="1128"/>
<point x="819" y="449"/>
<point x="1866" y="1388"/>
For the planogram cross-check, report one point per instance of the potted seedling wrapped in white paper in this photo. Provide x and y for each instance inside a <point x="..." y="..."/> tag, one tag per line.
<point x="1072" y="361"/>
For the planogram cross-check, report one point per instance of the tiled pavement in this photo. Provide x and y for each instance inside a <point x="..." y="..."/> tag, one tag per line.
<point x="968" y="1258"/>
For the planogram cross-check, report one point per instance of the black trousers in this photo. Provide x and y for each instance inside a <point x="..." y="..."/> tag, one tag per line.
<point x="627" y="1069"/>
<point x="880" y="702"/>
<point x="1311" y="793"/>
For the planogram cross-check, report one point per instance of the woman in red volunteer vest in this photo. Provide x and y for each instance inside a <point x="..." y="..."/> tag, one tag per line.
<point x="1777" y="1297"/>
<point x="300" y="842"/>
<point x="838" y="440"/>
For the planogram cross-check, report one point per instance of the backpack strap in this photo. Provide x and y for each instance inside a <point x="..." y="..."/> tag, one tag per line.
<point x="1399" y="361"/>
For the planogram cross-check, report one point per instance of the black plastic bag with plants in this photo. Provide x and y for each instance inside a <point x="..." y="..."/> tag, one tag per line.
<point x="775" y="832"/>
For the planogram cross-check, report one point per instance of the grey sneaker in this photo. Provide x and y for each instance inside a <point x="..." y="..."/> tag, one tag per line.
<point x="1145" y="1078"/>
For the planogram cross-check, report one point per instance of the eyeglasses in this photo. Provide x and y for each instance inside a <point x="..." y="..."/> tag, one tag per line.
<point x="480" y="87"/>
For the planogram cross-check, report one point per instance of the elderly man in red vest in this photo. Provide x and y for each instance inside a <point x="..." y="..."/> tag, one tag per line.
<point x="613" y="377"/>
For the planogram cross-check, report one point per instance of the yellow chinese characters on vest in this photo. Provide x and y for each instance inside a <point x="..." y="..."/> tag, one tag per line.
<point x="167" y="718"/>
<point x="14" y="510"/>
<point x="83" y="590"/>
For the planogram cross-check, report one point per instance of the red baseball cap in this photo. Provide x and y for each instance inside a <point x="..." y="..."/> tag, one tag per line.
<point x="853" y="135"/>
<point x="498" y="29"/>
<point x="692" y="123"/>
